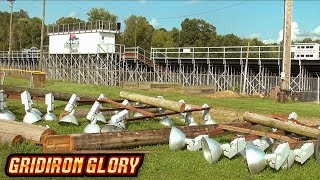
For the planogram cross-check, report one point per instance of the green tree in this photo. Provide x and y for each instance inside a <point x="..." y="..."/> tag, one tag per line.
<point x="231" y="40"/>
<point x="162" y="39"/>
<point x="22" y="33"/>
<point x="175" y="34"/>
<point x="307" y="40"/>
<point x="97" y="14"/>
<point x="68" y="20"/>
<point x="138" y="32"/>
<point x="196" y="32"/>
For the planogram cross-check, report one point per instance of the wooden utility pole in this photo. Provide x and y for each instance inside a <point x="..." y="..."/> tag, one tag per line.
<point x="288" y="126"/>
<point x="10" y="33"/>
<point x="245" y="71"/>
<point x="286" y="62"/>
<point x="42" y="34"/>
<point x="157" y="102"/>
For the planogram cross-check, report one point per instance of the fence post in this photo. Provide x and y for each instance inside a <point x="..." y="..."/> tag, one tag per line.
<point x="2" y="76"/>
<point x="318" y="90"/>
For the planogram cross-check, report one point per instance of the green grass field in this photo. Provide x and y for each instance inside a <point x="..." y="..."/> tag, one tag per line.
<point x="166" y="164"/>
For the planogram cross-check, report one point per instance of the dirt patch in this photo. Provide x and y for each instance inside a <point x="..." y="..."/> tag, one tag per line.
<point x="225" y="94"/>
<point x="225" y="115"/>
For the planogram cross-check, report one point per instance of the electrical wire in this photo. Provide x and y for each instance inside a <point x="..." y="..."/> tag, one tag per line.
<point x="73" y="5"/>
<point x="206" y="12"/>
<point x="24" y="7"/>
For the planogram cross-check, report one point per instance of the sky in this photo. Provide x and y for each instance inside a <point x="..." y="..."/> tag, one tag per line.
<point x="247" y="19"/>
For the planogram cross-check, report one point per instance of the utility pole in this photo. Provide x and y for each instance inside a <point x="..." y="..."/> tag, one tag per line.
<point x="135" y="33"/>
<point x="245" y="71"/>
<point x="42" y="34"/>
<point x="10" y="33"/>
<point x="286" y="62"/>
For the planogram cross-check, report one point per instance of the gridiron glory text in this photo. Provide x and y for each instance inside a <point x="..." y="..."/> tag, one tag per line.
<point x="74" y="165"/>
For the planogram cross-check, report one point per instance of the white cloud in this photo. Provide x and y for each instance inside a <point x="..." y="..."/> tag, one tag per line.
<point x="254" y="35"/>
<point x="269" y="41"/>
<point x="73" y="14"/>
<point x="295" y="32"/>
<point x="154" y="22"/>
<point x="316" y="31"/>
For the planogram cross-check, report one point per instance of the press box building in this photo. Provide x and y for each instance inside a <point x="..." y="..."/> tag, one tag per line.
<point x="83" y="38"/>
<point x="305" y="51"/>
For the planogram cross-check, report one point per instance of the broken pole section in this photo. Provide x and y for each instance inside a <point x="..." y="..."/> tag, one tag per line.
<point x="34" y="133"/>
<point x="11" y="139"/>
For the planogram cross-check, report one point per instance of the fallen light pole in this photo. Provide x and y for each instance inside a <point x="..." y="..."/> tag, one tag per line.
<point x="286" y="126"/>
<point x="126" y="139"/>
<point x="168" y="113"/>
<point x="40" y="95"/>
<point x="158" y="102"/>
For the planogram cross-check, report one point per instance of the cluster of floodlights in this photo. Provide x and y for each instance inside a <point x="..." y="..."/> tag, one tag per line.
<point x="253" y="151"/>
<point x="33" y="114"/>
<point x="117" y="121"/>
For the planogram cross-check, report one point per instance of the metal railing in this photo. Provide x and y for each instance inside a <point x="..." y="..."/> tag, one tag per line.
<point x="137" y="53"/>
<point x="20" y="54"/>
<point x="111" y="48"/>
<point x="230" y="52"/>
<point x="96" y="26"/>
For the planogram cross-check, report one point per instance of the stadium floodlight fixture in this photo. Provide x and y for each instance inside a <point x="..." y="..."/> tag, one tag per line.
<point x="189" y="120"/>
<point x="111" y="127"/>
<point x="49" y="100"/>
<point x="94" y="110"/>
<point x="206" y="115"/>
<point x="257" y="160"/>
<point x="116" y="123"/>
<point x="124" y="102"/>
<point x="72" y="103"/>
<point x="178" y="141"/>
<point x="234" y="147"/>
<point x="93" y="127"/>
<point x="137" y="114"/>
<point x="166" y="121"/>
<point x="263" y="143"/>
<point x="5" y="114"/>
<point x="211" y="150"/>
<point x="300" y="155"/>
<point x="293" y="115"/>
<point x="100" y="117"/>
<point x="187" y="117"/>
<point x="31" y="115"/>
<point x="26" y="100"/>
<point x="69" y="119"/>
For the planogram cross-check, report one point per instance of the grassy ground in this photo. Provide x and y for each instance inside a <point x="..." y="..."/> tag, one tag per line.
<point x="181" y="164"/>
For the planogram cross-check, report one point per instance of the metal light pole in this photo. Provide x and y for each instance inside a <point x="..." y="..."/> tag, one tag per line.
<point x="10" y="33"/>
<point x="42" y="35"/>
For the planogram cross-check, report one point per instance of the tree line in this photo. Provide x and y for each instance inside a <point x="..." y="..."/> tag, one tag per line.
<point x="138" y="32"/>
